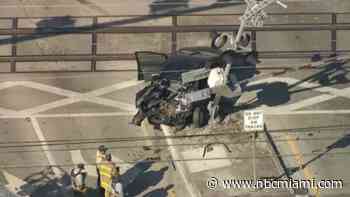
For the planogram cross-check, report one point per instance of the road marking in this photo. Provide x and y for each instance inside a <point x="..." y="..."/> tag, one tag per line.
<point x="218" y="152"/>
<point x="7" y="84"/>
<point x="111" y="103"/>
<point x="329" y="90"/>
<point x="92" y="96"/>
<point x="307" y="112"/>
<point x="307" y="102"/>
<point x="297" y="105"/>
<point x="300" y="161"/>
<point x="15" y="184"/>
<point x="193" y="191"/>
<point x="72" y="96"/>
<point x="331" y="94"/>
<point x="77" y="158"/>
<point x="48" y="106"/>
<point x="7" y="111"/>
<point x="48" y="88"/>
<point x="114" y="87"/>
<point x="84" y="115"/>
<point x="66" y="115"/>
<point x="145" y="127"/>
<point x="44" y="145"/>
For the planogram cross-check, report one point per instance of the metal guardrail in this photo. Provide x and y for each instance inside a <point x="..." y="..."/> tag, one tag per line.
<point x="174" y="29"/>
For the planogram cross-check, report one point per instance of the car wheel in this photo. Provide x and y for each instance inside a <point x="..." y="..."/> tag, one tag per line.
<point x="180" y="126"/>
<point x="155" y="120"/>
<point x="198" y="117"/>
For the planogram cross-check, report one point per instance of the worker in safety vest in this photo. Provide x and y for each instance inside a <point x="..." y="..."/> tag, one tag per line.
<point x="116" y="187"/>
<point x="78" y="177"/>
<point x="100" y="157"/>
<point x="107" y="170"/>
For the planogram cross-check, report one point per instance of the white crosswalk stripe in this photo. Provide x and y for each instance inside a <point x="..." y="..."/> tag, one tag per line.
<point x="330" y="93"/>
<point x="15" y="184"/>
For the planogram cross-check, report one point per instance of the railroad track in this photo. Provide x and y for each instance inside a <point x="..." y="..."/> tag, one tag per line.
<point x="121" y="57"/>
<point x="18" y="34"/>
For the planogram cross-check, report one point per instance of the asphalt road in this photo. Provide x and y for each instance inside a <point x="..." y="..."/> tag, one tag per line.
<point x="41" y="8"/>
<point x="75" y="106"/>
<point x="99" y="105"/>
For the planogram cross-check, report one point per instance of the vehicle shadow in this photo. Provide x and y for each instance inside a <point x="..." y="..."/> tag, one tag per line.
<point x="145" y="180"/>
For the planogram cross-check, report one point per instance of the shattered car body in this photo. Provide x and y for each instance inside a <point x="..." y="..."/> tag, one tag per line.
<point x="178" y="93"/>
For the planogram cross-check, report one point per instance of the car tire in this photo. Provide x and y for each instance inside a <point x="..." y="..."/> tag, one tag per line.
<point x="198" y="117"/>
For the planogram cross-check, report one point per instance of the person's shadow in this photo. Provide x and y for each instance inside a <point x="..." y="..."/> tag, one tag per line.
<point x="131" y="174"/>
<point x="55" y="22"/>
<point x="160" y="192"/>
<point x="165" y="6"/>
<point x="45" y="183"/>
<point x="144" y="180"/>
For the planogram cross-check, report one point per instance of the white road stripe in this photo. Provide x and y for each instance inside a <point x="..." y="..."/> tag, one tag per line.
<point x="307" y="112"/>
<point x="332" y="93"/>
<point x="7" y="84"/>
<point x="111" y="103"/>
<point x="219" y="151"/>
<point x="77" y="158"/>
<point x="48" y="106"/>
<point x="65" y="115"/>
<point x="298" y="105"/>
<point x="147" y="127"/>
<point x="115" y="87"/>
<point x="91" y="96"/>
<point x="267" y="111"/>
<point x="7" y="111"/>
<point x="44" y="145"/>
<point x="74" y="97"/>
<point x="48" y="88"/>
<point x="84" y="115"/>
<point x="192" y="190"/>
<point x="307" y="102"/>
<point x="329" y="90"/>
<point x="14" y="184"/>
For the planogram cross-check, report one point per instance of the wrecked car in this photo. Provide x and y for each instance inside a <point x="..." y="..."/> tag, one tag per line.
<point x="177" y="93"/>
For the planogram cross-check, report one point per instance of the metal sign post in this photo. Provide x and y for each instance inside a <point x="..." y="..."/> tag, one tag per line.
<point x="253" y="121"/>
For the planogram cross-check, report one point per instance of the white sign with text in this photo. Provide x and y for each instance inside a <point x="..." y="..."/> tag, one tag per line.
<point x="253" y="120"/>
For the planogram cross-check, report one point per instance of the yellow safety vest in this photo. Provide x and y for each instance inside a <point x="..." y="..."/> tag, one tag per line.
<point x="106" y="174"/>
<point x="100" y="157"/>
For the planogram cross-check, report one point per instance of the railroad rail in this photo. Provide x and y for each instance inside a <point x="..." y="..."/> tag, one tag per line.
<point x="17" y="34"/>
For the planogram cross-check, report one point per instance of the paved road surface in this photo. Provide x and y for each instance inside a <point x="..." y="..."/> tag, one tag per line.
<point x="99" y="105"/>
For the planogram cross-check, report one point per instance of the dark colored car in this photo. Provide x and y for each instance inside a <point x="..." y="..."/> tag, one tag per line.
<point x="165" y="99"/>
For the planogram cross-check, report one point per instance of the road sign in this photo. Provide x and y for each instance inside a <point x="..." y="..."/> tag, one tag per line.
<point x="253" y="120"/>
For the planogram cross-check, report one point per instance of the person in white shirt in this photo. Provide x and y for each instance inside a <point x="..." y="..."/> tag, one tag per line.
<point x="78" y="177"/>
<point x="116" y="185"/>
